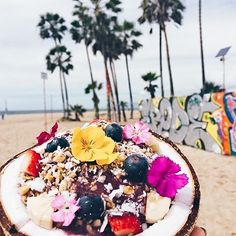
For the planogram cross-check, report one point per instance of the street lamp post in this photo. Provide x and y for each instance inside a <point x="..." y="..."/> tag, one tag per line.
<point x="44" y="77"/>
<point x="51" y="106"/>
<point x="222" y="54"/>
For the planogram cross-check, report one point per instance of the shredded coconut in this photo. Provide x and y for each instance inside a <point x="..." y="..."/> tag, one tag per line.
<point x="37" y="184"/>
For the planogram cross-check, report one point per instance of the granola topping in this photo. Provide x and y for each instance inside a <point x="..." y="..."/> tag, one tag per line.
<point x="61" y="172"/>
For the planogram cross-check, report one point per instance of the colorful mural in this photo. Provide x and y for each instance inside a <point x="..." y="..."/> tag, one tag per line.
<point x="207" y="122"/>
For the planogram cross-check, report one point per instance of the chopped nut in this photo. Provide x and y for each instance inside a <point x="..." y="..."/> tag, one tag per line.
<point x="97" y="223"/>
<point x="109" y="203"/>
<point x="122" y="158"/>
<point x="50" y="155"/>
<point x="58" y="177"/>
<point x="118" y="176"/>
<point x="149" y="154"/>
<point x="27" y="177"/>
<point x="75" y="161"/>
<point x="94" y="188"/>
<point x="59" y="158"/>
<point x="43" y="173"/>
<point x="68" y="153"/>
<point x="101" y="179"/>
<point x="128" y="190"/>
<point x="63" y="185"/>
<point x="24" y="199"/>
<point x="61" y="165"/>
<point x="72" y="174"/>
<point x="23" y="190"/>
<point x="48" y="177"/>
<point x="93" y="183"/>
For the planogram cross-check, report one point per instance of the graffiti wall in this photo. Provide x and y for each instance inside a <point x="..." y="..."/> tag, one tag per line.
<point x="207" y="122"/>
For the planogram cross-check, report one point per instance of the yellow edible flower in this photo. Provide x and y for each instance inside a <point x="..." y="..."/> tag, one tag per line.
<point x="91" y="144"/>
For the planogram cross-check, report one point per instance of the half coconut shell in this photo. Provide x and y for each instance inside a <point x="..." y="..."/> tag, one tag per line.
<point x="9" y="228"/>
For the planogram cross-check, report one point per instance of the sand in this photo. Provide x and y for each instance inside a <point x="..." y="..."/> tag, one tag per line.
<point x="217" y="174"/>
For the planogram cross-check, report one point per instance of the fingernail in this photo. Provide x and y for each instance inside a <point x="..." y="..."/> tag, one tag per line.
<point x="204" y="230"/>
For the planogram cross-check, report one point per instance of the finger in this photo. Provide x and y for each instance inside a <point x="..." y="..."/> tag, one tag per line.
<point x="198" y="231"/>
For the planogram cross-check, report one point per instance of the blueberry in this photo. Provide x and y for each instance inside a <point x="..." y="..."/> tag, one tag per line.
<point x="57" y="142"/>
<point x="114" y="131"/>
<point x="91" y="207"/>
<point x="136" y="167"/>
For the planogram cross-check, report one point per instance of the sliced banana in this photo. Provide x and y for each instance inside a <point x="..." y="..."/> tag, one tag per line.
<point x="40" y="210"/>
<point x="172" y="223"/>
<point x="156" y="207"/>
<point x="153" y="143"/>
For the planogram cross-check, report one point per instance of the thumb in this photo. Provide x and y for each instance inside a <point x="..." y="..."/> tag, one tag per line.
<point x="197" y="231"/>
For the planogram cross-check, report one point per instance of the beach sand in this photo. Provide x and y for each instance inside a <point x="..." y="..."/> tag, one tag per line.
<point x="217" y="174"/>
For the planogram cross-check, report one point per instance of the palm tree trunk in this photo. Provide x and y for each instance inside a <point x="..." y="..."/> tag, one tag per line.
<point x="160" y="60"/>
<point x="77" y="116"/>
<point x="61" y="85"/>
<point x="62" y="93"/>
<point x="114" y="79"/>
<point x="201" y="45"/>
<point x="152" y="91"/>
<point x="130" y="89"/>
<point x="168" y="62"/>
<point x="95" y="97"/>
<point x="66" y="95"/>
<point x="112" y="99"/>
<point x="108" y="90"/>
<point x="123" y="112"/>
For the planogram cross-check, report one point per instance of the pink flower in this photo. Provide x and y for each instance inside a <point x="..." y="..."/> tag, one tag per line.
<point x="138" y="133"/>
<point x="65" y="209"/>
<point x="45" y="136"/>
<point x="163" y="176"/>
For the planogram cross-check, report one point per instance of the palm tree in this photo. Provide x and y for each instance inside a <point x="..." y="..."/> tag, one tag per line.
<point x="201" y="44"/>
<point x="52" y="26"/>
<point x="94" y="86"/>
<point x="123" y="106"/>
<point x="82" y="30"/>
<point x="103" y="36"/>
<point x="79" y="111"/>
<point x="211" y="87"/>
<point x="130" y="44"/>
<point x="59" y="57"/>
<point x="161" y="12"/>
<point x="151" y="88"/>
<point x="149" y="15"/>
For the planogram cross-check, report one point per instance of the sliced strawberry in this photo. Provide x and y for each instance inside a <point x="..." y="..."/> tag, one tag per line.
<point x="31" y="163"/>
<point x="125" y="224"/>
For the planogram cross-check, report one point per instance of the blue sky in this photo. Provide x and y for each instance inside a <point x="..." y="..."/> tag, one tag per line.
<point x="23" y="52"/>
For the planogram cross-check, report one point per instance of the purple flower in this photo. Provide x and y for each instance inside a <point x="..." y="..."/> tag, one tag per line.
<point x="163" y="176"/>
<point x="138" y="133"/>
<point x="65" y="209"/>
